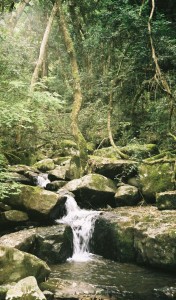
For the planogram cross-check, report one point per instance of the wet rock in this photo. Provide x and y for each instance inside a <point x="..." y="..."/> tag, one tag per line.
<point x="155" y="178"/>
<point x="45" y="165"/>
<point x="127" y="195"/>
<point x="4" y="207"/>
<point x="92" y="190"/>
<point x="15" y="265"/>
<point x="166" y="200"/>
<point x="120" y="169"/>
<point x="26" y="288"/>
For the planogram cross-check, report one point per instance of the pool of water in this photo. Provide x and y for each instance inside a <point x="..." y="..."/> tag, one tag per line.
<point x="128" y="281"/>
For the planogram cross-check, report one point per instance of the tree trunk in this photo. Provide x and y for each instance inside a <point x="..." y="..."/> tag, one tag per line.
<point x="43" y="47"/>
<point x="159" y="77"/>
<point x="17" y="14"/>
<point x="80" y="141"/>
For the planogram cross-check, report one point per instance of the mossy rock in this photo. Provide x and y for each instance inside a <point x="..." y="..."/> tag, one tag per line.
<point x="15" y="265"/>
<point x="166" y="200"/>
<point x="155" y="178"/>
<point x="92" y="190"/>
<point x="109" y="152"/>
<point x="119" y="169"/>
<point x="140" y="151"/>
<point x="45" y="165"/>
<point x="127" y="195"/>
<point x="12" y="217"/>
<point x="36" y="201"/>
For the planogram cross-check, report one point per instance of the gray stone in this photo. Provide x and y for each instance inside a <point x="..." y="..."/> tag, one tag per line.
<point x="142" y="234"/>
<point x="26" y="288"/>
<point x="22" y="240"/>
<point x="119" y="169"/>
<point x="127" y="195"/>
<point x="92" y="190"/>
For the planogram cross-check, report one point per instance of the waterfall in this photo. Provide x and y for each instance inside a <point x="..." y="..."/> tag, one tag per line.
<point x="82" y="223"/>
<point x="42" y="180"/>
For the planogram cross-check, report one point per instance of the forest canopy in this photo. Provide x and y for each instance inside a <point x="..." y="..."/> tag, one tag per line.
<point x="125" y="54"/>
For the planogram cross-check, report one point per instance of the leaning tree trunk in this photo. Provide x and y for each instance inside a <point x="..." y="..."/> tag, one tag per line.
<point x="80" y="141"/>
<point x="17" y="14"/>
<point x="43" y="48"/>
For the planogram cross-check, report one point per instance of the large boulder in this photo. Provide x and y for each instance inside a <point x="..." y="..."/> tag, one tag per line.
<point x="93" y="190"/>
<point x="26" y="288"/>
<point x="53" y="244"/>
<point x="142" y="234"/>
<point x="15" y="265"/>
<point x="119" y="169"/>
<point x="127" y="195"/>
<point x="156" y="178"/>
<point x="166" y="200"/>
<point x="38" y="202"/>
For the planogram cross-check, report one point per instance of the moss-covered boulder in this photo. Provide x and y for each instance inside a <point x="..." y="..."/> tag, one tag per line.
<point x="26" y="288"/>
<point x="120" y="169"/>
<point x="156" y="178"/>
<point x="44" y="165"/>
<point x="13" y="217"/>
<point x="15" y="265"/>
<point x="142" y="234"/>
<point x="140" y="151"/>
<point x="166" y="200"/>
<point x="36" y="201"/>
<point x="109" y="152"/>
<point x="155" y="239"/>
<point x="127" y="195"/>
<point x="113" y="237"/>
<point x="92" y="190"/>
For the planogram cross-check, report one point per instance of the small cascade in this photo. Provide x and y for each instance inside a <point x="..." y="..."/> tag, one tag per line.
<point x="42" y="180"/>
<point x="82" y="223"/>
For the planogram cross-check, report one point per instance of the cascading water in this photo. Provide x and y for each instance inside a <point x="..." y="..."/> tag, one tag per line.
<point x="82" y="223"/>
<point x="42" y="180"/>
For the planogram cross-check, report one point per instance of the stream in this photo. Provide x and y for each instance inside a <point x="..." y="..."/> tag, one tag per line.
<point x="100" y="276"/>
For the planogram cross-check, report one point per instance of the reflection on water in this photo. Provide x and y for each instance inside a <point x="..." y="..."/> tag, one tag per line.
<point x="105" y="273"/>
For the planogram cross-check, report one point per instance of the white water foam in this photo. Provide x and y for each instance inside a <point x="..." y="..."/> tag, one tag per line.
<point x="42" y="180"/>
<point x="82" y="223"/>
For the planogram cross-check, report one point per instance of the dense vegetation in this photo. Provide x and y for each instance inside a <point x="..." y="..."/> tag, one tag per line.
<point x="126" y="56"/>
